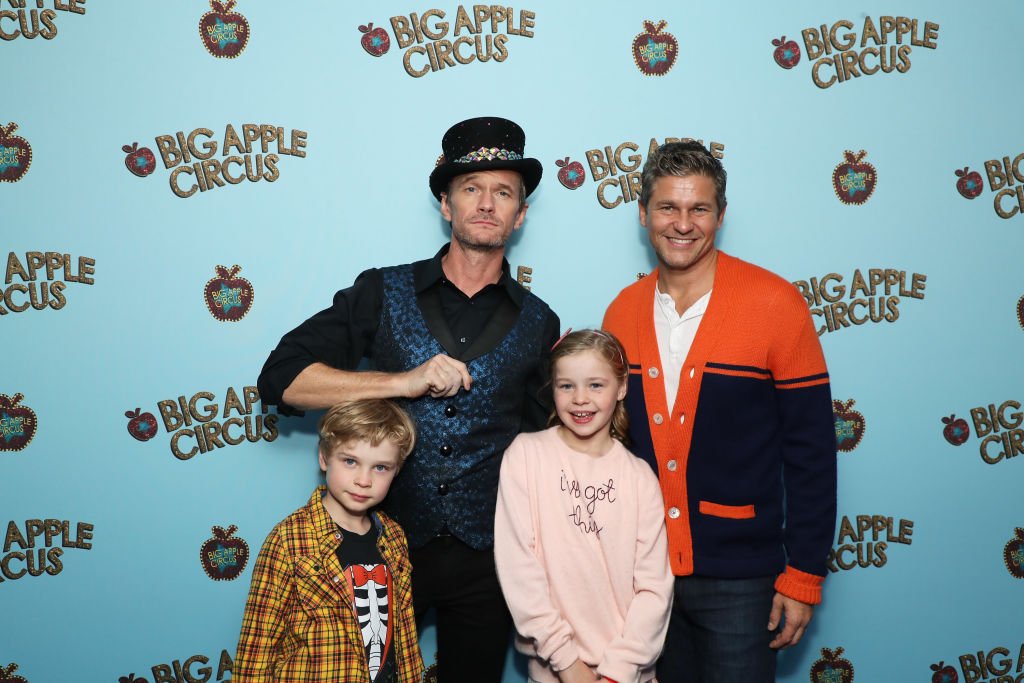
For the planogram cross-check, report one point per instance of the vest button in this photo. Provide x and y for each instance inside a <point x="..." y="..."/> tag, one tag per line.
<point x="450" y="411"/>
<point x="673" y="513"/>
<point x="671" y="465"/>
<point x="442" y="490"/>
<point x="658" y="419"/>
<point x="653" y="372"/>
<point x="446" y="450"/>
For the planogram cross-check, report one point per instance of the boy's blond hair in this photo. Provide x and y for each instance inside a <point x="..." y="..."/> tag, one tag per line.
<point x="372" y="420"/>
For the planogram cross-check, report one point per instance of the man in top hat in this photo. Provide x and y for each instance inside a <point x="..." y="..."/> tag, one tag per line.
<point x="464" y="348"/>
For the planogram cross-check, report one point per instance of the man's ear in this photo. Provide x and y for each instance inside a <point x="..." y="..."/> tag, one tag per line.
<point x="521" y="216"/>
<point x="446" y="210"/>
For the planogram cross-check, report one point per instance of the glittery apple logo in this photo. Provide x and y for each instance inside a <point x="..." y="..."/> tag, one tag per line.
<point x="224" y="33"/>
<point x="850" y="425"/>
<point x="17" y="423"/>
<point x="956" y="430"/>
<point x="141" y="426"/>
<point x="15" y="154"/>
<point x="228" y="297"/>
<point x="7" y="674"/>
<point x="832" y="668"/>
<point x="655" y="50"/>
<point x="1013" y="554"/>
<point x="224" y="556"/>
<point x="570" y="173"/>
<point x="854" y="179"/>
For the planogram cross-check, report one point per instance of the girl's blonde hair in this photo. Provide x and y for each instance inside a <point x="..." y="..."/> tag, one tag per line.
<point x="609" y="349"/>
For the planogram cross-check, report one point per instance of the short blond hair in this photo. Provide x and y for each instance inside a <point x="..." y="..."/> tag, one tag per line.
<point x="373" y="420"/>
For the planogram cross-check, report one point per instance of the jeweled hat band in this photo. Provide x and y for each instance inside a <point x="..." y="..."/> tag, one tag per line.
<point x="488" y="154"/>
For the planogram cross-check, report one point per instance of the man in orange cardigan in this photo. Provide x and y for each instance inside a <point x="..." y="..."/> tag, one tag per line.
<point x="729" y="402"/>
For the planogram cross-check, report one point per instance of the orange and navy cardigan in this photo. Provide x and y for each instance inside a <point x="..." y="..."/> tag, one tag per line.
<point x="747" y="455"/>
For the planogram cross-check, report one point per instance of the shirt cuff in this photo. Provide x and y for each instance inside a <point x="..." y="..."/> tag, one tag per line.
<point x="800" y="586"/>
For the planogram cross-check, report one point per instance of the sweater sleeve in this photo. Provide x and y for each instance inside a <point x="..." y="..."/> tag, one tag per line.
<point x="643" y="633"/>
<point x="523" y="579"/>
<point x="809" y="450"/>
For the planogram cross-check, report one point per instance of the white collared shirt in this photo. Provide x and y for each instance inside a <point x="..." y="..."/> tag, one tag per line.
<point x="675" y="337"/>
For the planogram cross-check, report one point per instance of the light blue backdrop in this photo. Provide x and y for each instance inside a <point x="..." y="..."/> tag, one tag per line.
<point x="123" y="72"/>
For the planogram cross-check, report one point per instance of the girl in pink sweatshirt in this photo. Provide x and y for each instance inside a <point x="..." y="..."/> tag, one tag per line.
<point x="579" y="532"/>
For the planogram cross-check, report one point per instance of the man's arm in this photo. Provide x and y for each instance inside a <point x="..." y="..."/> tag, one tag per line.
<point x="809" y="467"/>
<point x="320" y="386"/>
<point x="314" y="365"/>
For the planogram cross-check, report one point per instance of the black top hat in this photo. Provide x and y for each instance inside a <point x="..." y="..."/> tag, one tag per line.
<point x="487" y="143"/>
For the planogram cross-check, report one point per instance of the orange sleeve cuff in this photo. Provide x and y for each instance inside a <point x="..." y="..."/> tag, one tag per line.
<point x="799" y="585"/>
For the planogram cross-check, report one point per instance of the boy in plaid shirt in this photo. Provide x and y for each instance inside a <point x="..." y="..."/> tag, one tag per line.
<point x="331" y="597"/>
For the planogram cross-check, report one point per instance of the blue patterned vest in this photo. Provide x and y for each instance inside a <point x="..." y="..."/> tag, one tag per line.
<point x="449" y="483"/>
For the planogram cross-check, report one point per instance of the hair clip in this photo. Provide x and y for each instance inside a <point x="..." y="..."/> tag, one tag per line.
<point x="559" y="340"/>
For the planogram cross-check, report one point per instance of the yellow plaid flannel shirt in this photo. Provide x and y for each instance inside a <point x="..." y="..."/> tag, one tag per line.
<point x="299" y="624"/>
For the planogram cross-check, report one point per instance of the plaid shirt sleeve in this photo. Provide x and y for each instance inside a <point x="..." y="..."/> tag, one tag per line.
<point x="261" y="644"/>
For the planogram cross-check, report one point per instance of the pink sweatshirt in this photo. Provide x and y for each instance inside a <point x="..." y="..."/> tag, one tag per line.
<point x="581" y="553"/>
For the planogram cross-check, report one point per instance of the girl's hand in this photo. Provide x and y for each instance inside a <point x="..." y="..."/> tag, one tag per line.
<point x="578" y="673"/>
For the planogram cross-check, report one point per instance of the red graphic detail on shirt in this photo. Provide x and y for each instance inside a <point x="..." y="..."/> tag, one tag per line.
<point x="372" y="610"/>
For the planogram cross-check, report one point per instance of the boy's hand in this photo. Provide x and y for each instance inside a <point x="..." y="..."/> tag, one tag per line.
<point x="578" y="673"/>
<point x="440" y="376"/>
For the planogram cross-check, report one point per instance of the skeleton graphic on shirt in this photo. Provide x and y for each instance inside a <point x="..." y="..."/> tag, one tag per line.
<point x="371" y="584"/>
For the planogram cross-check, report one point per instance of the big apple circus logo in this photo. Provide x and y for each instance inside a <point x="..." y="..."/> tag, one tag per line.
<point x="431" y="43"/>
<point x="617" y="170"/>
<point x="250" y="157"/>
<point x="875" y="298"/>
<point x="838" y="57"/>
<point x="999" y="429"/>
<point x="832" y="667"/>
<point x="213" y="428"/>
<point x="863" y="541"/>
<point x="43" y="275"/>
<point x="995" y="665"/>
<point x="194" y="669"/>
<point x="7" y="674"/>
<point x="35" y="22"/>
<point x="1003" y="175"/>
<point x="37" y="550"/>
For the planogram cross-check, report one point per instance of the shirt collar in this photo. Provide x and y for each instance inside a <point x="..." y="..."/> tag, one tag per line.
<point x="668" y="306"/>
<point x="429" y="273"/>
<point x="325" y="528"/>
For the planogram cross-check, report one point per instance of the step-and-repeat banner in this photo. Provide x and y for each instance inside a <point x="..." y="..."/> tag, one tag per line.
<point x="185" y="181"/>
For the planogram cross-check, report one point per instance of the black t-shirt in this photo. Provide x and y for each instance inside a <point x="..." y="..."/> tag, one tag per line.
<point x="370" y="580"/>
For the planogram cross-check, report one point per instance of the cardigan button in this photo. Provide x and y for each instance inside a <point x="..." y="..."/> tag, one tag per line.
<point x="450" y="411"/>
<point x="653" y="372"/>
<point x="442" y="490"/>
<point x="446" y="450"/>
<point x="671" y="465"/>
<point x="658" y="419"/>
<point x="673" y="513"/>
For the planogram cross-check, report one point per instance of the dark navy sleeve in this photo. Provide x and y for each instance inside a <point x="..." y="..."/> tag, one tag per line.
<point x="339" y="336"/>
